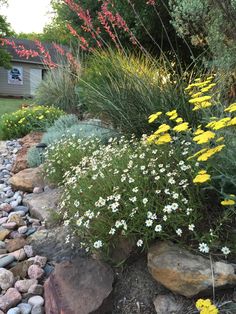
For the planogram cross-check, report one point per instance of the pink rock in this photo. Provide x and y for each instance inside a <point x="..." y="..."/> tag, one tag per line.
<point x="9" y="225"/>
<point x="3" y="220"/>
<point x="24" y="285"/>
<point x="6" y="207"/>
<point x="35" y="272"/>
<point x="39" y="260"/>
<point x="29" y="250"/>
<point x="10" y="299"/>
<point x="36" y="290"/>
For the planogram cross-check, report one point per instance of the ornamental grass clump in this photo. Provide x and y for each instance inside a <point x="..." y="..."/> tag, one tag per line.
<point x="213" y="147"/>
<point x="132" y="190"/>
<point x="23" y="121"/>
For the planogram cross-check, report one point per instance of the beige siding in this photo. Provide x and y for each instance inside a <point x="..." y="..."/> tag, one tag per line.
<point x="17" y="90"/>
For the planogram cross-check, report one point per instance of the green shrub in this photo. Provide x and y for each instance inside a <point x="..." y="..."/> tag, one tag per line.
<point x="59" y="89"/>
<point x="125" y="90"/>
<point x="23" y="121"/>
<point x="63" y="155"/>
<point x="80" y="130"/>
<point x="34" y="157"/>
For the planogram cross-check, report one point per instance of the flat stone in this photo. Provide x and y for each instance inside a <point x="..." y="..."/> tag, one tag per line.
<point x="21" y="269"/>
<point x="38" y="190"/>
<point x="9" y="225"/>
<point x="3" y="233"/>
<point x="85" y="284"/>
<point x="10" y="299"/>
<point x="36" y="301"/>
<point x="25" y="308"/>
<point x="21" y="208"/>
<point x="3" y="251"/>
<point x="35" y="272"/>
<point x="15" y="244"/>
<point x="26" y="180"/>
<point x="185" y="273"/>
<point x="24" y="285"/>
<point x="42" y="205"/>
<point x="6" y="260"/>
<point x="6" y="279"/>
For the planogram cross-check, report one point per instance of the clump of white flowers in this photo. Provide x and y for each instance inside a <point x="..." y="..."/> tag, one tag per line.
<point x="128" y="189"/>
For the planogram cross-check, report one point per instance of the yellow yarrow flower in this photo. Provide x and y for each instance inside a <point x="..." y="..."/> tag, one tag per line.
<point x="179" y="120"/>
<point x="231" y="108"/>
<point x="204" y="137"/>
<point x="171" y="113"/>
<point x="201" y="177"/>
<point x="228" y="202"/>
<point x="210" y="152"/>
<point x="232" y="122"/>
<point x="151" y="138"/>
<point x="154" y="116"/>
<point x="199" y="99"/>
<point x="202" y="105"/>
<point x="162" y="129"/>
<point x="197" y="95"/>
<point x="163" y="139"/>
<point x="197" y="153"/>
<point x="198" y="131"/>
<point x="220" y="124"/>
<point x="201" y="303"/>
<point x="181" y="127"/>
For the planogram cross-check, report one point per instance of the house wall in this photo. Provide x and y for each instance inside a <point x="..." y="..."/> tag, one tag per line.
<point x="24" y="90"/>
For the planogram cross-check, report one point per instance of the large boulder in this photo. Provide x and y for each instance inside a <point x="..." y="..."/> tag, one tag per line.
<point x="27" y="142"/>
<point x="82" y="286"/>
<point x="42" y="205"/>
<point x="26" y="180"/>
<point x="185" y="273"/>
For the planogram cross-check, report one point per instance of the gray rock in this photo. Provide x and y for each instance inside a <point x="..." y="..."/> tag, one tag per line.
<point x="21" y="208"/>
<point x="40" y="205"/>
<point x="166" y="304"/>
<point x="2" y="245"/>
<point x="14" y="310"/>
<point x="36" y="290"/>
<point x="36" y="301"/>
<point x="6" y="279"/>
<point x="37" y="310"/>
<point x="22" y="229"/>
<point x="25" y="308"/>
<point x="6" y="260"/>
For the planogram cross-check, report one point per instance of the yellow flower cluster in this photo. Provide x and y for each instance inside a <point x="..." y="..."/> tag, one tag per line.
<point x="161" y="135"/>
<point x="198" y="99"/>
<point x="206" y="307"/>
<point x="201" y="177"/>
